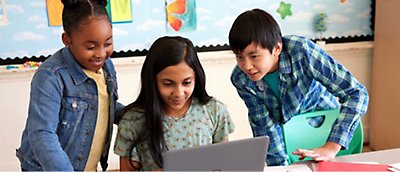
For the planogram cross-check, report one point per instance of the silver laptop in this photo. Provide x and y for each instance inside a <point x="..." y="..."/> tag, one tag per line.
<point x="238" y="155"/>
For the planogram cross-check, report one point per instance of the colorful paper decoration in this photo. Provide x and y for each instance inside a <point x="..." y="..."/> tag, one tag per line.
<point x="284" y="10"/>
<point x="181" y="15"/>
<point x="120" y="10"/>
<point x="3" y="13"/>
<point x="54" y="12"/>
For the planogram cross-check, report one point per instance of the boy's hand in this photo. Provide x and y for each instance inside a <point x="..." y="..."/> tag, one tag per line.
<point x="324" y="153"/>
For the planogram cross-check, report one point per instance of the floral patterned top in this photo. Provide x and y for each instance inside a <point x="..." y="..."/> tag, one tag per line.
<point x="201" y="125"/>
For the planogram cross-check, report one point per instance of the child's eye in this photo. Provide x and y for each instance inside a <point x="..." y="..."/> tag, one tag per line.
<point x="187" y="82"/>
<point x="108" y="44"/>
<point x="167" y="83"/>
<point x="90" y="46"/>
<point x="254" y="56"/>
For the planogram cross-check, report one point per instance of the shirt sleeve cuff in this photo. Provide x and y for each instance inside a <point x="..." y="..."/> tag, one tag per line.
<point x="340" y="137"/>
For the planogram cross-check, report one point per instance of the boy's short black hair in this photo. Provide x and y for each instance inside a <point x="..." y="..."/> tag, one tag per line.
<point x="256" y="26"/>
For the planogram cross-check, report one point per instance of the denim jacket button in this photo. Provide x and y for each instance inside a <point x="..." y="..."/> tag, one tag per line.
<point x="74" y="104"/>
<point x="80" y="158"/>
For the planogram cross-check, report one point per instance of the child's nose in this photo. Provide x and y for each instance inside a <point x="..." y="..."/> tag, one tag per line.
<point x="178" y="91"/>
<point x="247" y="65"/>
<point x="101" y="52"/>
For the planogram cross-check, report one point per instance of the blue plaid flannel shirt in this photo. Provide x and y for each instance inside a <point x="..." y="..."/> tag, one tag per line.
<point x="309" y="79"/>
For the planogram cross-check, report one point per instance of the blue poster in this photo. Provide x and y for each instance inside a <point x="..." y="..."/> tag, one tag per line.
<point x="207" y="23"/>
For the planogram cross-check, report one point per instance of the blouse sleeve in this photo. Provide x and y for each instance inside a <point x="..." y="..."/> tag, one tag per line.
<point x="222" y="122"/>
<point x="127" y="135"/>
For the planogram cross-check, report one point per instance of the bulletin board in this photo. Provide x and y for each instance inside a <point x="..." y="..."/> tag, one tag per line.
<point x="32" y="29"/>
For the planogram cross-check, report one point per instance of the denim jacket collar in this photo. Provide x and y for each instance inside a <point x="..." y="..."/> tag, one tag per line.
<point x="76" y="72"/>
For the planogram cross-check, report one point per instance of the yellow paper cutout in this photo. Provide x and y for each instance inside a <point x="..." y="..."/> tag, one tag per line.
<point x="54" y="12"/>
<point x="121" y="10"/>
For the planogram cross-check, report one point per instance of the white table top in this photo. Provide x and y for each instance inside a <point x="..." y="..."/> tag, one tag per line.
<point x="389" y="156"/>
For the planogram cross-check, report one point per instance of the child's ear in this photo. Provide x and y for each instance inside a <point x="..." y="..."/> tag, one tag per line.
<point x="277" y="49"/>
<point x="65" y="39"/>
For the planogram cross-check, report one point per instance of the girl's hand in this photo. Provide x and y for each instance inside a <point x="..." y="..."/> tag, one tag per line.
<point x="324" y="153"/>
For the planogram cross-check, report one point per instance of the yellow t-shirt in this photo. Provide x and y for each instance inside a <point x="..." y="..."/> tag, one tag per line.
<point x="100" y="133"/>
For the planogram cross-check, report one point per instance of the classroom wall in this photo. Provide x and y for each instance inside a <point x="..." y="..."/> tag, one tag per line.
<point x="14" y="91"/>
<point x="385" y="77"/>
<point x="29" y="29"/>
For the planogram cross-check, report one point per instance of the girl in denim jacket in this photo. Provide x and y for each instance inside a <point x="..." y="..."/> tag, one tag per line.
<point x="73" y="99"/>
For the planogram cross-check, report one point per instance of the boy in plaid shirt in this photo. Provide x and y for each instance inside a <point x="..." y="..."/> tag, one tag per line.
<point x="278" y="77"/>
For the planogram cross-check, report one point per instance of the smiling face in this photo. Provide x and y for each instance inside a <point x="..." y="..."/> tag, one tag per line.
<point x="256" y="61"/>
<point x="175" y="85"/>
<point x="92" y="43"/>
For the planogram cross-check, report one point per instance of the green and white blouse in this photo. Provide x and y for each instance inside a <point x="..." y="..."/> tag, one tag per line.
<point x="201" y="125"/>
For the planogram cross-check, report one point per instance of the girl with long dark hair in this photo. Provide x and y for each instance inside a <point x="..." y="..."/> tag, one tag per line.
<point x="173" y="109"/>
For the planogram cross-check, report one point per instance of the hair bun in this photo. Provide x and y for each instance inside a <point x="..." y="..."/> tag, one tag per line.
<point x="101" y="2"/>
<point x="70" y="3"/>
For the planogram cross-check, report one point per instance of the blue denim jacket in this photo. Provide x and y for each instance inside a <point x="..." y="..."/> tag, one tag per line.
<point x="62" y="115"/>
